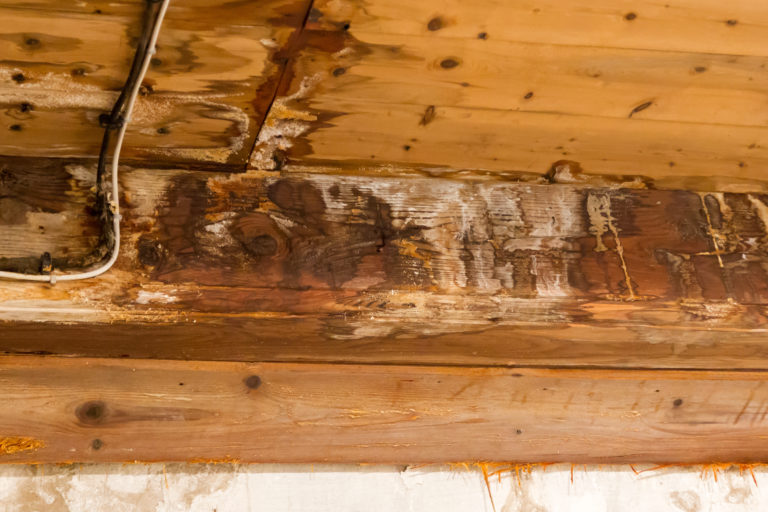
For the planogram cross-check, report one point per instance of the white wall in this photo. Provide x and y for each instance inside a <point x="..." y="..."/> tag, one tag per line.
<point x="224" y="488"/>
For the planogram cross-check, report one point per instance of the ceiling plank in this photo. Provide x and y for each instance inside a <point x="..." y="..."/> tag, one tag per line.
<point x="702" y="26"/>
<point x="204" y="98"/>
<point x="543" y="78"/>
<point x="368" y="92"/>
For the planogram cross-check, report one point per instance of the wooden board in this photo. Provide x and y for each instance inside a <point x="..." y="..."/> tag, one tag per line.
<point x="110" y="410"/>
<point x="560" y="271"/>
<point x="516" y="86"/>
<point x="206" y="93"/>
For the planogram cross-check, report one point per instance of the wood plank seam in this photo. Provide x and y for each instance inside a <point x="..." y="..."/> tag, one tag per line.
<point x="285" y="58"/>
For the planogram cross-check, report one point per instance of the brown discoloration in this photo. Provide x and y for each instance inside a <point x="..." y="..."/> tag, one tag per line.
<point x="32" y="192"/>
<point x="640" y="108"/>
<point x="314" y="53"/>
<point x="435" y="24"/>
<point x="371" y="258"/>
<point x="252" y="382"/>
<point x="367" y="230"/>
<point x="286" y="120"/>
<point x="320" y="232"/>
<point x="429" y="115"/>
<point x="91" y="413"/>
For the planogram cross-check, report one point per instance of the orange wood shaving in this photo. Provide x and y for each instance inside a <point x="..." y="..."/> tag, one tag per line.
<point x="10" y="445"/>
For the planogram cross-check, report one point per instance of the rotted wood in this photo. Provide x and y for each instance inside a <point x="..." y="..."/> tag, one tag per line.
<point x="208" y="89"/>
<point x="620" y="87"/>
<point x="97" y="410"/>
<point x="552" y="271"/>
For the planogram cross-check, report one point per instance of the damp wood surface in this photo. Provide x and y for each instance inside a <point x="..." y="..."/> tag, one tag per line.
<point x="409" y="270"/>
<point x="107" y="410"/>
<point x="207" y="91"/>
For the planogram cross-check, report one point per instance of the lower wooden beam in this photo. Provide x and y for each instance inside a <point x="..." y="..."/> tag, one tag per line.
<point x="72" y="409"/>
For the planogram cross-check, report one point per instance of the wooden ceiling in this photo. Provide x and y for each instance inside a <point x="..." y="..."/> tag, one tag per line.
<point x="391" y="231"/>
<point x="672" y="91"/>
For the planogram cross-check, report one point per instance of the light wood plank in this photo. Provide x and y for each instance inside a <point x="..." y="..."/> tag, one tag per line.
<point x="703" y="26"/>
<point x="437" y="90"/>
<point x="209" y="86"/>
<point x="544" y="78"/>
<point x="363" y="134"/>
<point x="80" y="410"/>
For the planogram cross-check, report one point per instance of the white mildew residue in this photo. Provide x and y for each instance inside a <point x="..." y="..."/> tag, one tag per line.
<point x="601" y="222"/>
<point x="59" y="91"/>
<point x="145" y="297"/>
<point x="283" y="125"/>
<point x="761" y="209"/>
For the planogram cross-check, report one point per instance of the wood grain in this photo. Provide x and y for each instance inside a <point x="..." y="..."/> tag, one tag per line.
<point x="558" y="271"/>
<point x="505" y="87"/>
<point x="206" y="92"/>
<point x="701" y="26"/>
<point x="523" y="231"/>
<point x="110" y="410"/>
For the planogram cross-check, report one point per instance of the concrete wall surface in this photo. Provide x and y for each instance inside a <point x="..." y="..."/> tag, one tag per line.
<point x="332" y="488"/>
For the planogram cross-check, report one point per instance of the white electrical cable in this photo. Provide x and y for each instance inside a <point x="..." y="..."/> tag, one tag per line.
<point x="115" y="202"/>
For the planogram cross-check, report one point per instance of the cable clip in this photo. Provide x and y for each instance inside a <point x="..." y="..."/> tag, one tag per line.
<point x="106" y="121"/>
<point x="46" y="263"/>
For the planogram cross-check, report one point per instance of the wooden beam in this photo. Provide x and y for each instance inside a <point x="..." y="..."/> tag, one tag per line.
<point x="392" y="270"/>
<point x="87" y="410"/>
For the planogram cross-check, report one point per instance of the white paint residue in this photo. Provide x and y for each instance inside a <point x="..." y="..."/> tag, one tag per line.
<point x="326" y="488"/>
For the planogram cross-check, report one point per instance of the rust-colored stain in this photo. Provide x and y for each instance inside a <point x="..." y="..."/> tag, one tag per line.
<point x="11" y="445"/>
<point x="220" y="460"/>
